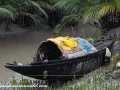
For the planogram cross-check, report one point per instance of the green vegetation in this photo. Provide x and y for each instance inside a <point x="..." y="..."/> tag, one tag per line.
<point x="45" y="74"/>
<point x="24" y="83"/>
<point x="115" y="58"/>
<point x="62" y="13"/>
<point x="20" y="9"/>
<point x="82" y="10"/>
<point x="97" y="83"/>
<point x="94" y="83"/>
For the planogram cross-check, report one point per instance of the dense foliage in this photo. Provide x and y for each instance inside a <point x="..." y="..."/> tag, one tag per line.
<point x="65" y="12"/>
<point x="82" y="10"/>
<point x="20" y="9"/>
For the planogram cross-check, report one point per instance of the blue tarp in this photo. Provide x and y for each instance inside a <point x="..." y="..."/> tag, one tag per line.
<point x="83" y="43"/>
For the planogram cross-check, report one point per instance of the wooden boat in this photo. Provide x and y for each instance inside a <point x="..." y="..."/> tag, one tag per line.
<point x="65" y="69"/>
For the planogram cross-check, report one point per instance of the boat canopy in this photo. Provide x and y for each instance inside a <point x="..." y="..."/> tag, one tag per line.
<point x="64" y="47"/>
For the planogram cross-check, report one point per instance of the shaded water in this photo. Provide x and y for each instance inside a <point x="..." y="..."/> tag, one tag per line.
<point x="22" y="47"/>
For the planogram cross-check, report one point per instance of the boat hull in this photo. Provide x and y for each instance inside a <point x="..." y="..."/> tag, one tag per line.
<point x="64" y="69"/>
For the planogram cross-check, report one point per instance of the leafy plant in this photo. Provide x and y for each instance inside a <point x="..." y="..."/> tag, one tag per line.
<point x="45" y="74"/>
<point x="115" y="58"/>
<point x="18" y="9"/>
<point x="83" y="10"/>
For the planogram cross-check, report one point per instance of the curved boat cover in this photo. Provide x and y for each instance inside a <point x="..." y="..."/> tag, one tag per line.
<point x="70" y="47"/>
<point x="64" y="43"/>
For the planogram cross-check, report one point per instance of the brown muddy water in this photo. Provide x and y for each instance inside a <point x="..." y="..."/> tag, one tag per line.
<point x="22" y="47"/>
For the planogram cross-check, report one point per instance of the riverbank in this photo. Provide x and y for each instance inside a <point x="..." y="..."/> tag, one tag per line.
<point x="14" y="29"/>
<point x="102" y="71"/>
<point x="80" y="30"/>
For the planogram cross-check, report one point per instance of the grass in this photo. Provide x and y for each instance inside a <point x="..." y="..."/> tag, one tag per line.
<point x="94" y="83"/>
<point x="115" y="58"/>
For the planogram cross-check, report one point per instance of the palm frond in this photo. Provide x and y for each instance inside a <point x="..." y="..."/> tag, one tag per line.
<point x="68" y="6"/>
<point x="60" y="6"/>
<point x="62" y="25"/>
<point x="46" y="5"/>
<point x="5" y="12"/>
<point x="31" y="16"/>
<point x="99" y="10"/>
<point x="37" y="7"/>
<point x="117" y="3"/>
